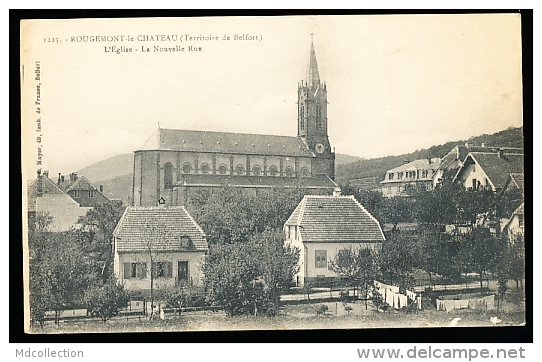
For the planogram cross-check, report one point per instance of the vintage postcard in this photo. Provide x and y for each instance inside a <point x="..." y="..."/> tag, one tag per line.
<point x="259" y="173"/>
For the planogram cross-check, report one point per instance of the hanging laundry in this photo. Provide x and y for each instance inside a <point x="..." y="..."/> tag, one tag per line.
<point x="403" y="300"/>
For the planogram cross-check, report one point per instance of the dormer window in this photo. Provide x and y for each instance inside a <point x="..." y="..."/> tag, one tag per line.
<point x="390" y="176"/>
<point x="185" y="241"/>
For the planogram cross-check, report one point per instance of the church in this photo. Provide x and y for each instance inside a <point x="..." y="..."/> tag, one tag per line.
<point x="173" y="164"/>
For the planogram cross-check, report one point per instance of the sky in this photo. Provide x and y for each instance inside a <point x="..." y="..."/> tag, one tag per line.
<point x="395" y="83"/>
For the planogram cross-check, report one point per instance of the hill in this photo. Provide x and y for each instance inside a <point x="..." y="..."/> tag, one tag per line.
<point x="377" y="167"/>
<point x="115" y="173"/>
<point x="341" y="159"/>
<point x="109" y="168"/>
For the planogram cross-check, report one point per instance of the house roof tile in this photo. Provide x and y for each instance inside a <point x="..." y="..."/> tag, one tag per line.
<point x="335" y="219"/>
<point x="159" y="228"/>
<point x="226" y="142"/>
<point x="498" y="168"/>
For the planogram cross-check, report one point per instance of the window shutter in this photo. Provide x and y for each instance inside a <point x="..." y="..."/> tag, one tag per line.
<point x="169" y="269"/>
<point x="143" y="270"/>
<point x="127" y="270"/>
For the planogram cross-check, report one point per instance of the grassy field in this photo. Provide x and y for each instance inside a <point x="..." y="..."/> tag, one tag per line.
<point x="301" y="316"/>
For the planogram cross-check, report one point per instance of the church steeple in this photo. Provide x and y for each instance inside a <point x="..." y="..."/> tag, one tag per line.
<point x="312" y="106"/>
<point x="313" y="77"/>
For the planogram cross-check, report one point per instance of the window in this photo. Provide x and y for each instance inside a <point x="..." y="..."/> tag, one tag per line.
<point x="222" y="169"/>
<point x="318" y="116"/>
<point x="76" y="194"/>
<point x="135" y="270"/>
<point x="168" y="176"/>
<point x="239" y="169"/>
<point x="289" y="171"/>
<point x="400" y="176"/>
<point x="256" y="170"/>
<point x="182" y="271"/>
<point x="187" y="168"/>
<point x="273" y="171"/>
<point x="205" y="168"/>
<point x="474" y="183"/>
<point x="162" y="269"/>
<point x="487" y="183"/>
<point x="390" y="176"/>
<point x="305" y="172"/>
<point x="320" y="257"/>
<point x="301" y="116"/>
<point x="91" y="193"/>
<point x="185" y="241"/>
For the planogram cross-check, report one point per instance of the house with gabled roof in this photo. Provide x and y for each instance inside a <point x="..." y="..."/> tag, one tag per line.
<point x="321" y="226"/>
<point x="45" y="197"/>
<point x="489" y="169"/>
<point x="82" y="191"/>
<point x="516" y="224"/>
<point x="164" y="241"/>
<point x="415" y="173"/>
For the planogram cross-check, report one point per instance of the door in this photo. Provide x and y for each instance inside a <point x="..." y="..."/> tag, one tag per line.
<point x="182" y="271"/>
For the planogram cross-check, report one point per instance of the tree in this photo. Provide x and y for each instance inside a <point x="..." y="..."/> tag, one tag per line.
<point x="480" y="251"/>
<point x="357" y="266"/>
<point x="98" y="224"/>
<point x="60" y="270"/>
<point x="396" y="210"/>
<point x="516" y="259"/>
<point x="246" y="277"/>
<point x="105" y="300"/>
<point x="396" y="260"/>
<point x="228" y="215"/>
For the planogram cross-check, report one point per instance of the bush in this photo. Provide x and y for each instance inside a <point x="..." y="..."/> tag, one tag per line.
<point x="105" y="300"/>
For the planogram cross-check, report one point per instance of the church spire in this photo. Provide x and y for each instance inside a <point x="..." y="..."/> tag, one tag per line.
<point x="313" y="77"/>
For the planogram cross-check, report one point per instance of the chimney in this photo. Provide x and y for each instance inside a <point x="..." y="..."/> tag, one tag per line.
<point x="75" y="176"/>
<point x="429" y="159"/>
<point x="483" y="145"/>
<point x="46" y="173"/>
<point x="468" y="145"/>
<point x="59" y="178"/>
<point x="62" y="179"/>
<point x="39" y="184"/>
<point x="71" y="177"/>
<point x="337" y="191"/>
<point x="500" y="153"/>
<point x="102" y="189"/>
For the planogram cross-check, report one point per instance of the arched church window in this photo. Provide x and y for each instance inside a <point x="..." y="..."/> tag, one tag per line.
<point x="304" y="172"/>
<point x="301" y="116"/>
<point x="205" y="168"/>
<point x="318" y="116"/>
<point x="239" y="169"/>
<point x="273" y="171"/>
<point x="289" y="171"/>
<point x="256" y="170"/>
<point x="187" y="168"/>
<point x="168" y="176"/>
<point x="222" y="169"/>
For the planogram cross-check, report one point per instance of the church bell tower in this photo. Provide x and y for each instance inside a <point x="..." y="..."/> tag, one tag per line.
<point x="312" y="117"/>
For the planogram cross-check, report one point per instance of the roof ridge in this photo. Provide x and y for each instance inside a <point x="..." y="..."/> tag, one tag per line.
<point x="301" y="210"/>
<point x="223" y="132"/>
<point x="370" y="215"/>
<point x="193" y="220"/>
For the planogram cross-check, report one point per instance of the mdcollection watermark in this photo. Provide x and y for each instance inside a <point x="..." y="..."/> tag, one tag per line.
<point x="48" y="352"/>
